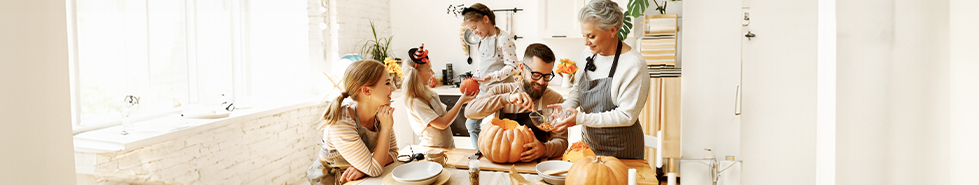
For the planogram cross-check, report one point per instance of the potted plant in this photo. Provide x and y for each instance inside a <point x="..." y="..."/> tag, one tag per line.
<point x="376" y="49"/>
<point x="662" y="8"/>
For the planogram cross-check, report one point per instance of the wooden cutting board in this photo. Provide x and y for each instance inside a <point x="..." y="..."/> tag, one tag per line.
<point x="485" y="164"/>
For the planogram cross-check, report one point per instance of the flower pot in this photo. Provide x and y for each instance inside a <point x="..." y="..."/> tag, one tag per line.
<point x="566" y="80"/>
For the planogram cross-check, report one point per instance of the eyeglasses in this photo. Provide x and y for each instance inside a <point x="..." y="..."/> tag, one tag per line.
<point x="538" y="75"/>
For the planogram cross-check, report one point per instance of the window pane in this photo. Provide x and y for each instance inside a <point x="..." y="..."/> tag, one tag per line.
<point x="168" y="76"/>
<point x="214" y="50"/>
<point x="112" y="53"/>
<point x="130" y="47"/>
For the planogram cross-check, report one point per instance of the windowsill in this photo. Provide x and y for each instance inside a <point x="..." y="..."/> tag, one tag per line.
<point x="154" y="131"/>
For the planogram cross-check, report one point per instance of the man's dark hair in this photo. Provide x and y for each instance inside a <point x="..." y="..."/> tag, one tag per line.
<point x="540" y="51"/>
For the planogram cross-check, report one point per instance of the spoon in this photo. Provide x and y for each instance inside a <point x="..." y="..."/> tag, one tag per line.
<point x="555" y="172"/>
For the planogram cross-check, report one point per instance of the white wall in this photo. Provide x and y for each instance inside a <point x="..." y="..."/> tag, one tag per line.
<point x="35" y="133"/>
<point x="963" y="89"/>
<point x="414" y="23"/>
<point x="892" y="122"/>
<point x="353" y="22"/>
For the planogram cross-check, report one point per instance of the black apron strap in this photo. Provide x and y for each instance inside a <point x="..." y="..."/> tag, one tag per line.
<point x="615" y="62"/>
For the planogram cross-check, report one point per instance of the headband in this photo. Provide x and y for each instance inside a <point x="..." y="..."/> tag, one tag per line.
<point x="468" y="9"/>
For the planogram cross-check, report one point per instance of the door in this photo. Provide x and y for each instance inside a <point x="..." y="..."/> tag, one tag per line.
<point x="711" y="54"/>
<point x="779" y="92"/>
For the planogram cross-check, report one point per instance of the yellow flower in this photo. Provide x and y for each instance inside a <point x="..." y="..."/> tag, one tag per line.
<point x="393" y="67"/>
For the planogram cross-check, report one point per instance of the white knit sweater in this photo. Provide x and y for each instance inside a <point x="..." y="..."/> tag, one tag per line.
<point x="630" y="88"/>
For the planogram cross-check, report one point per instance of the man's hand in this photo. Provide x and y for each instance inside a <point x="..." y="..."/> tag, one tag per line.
<point x="522" y="100"/>
<point x="532" y="151"/>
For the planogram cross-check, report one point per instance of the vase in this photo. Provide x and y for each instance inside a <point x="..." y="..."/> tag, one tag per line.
<point x="566" y="80"/>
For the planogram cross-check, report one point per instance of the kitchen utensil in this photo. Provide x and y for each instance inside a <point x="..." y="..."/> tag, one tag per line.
<point x="556" y="172"/>
<point x="472" y="39"/>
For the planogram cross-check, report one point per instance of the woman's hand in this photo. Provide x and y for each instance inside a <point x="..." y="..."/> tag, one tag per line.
<point x="568" y="122"/>
<point x="351" y="174"/>
<point x="384" y="116"/>
<point x="522" y="100"/>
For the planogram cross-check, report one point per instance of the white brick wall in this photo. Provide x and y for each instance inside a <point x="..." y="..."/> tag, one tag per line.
<point x="275" y="149"/>
<point x="354" y="28"/>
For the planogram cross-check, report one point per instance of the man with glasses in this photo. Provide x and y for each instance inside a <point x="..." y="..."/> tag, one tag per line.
<point x="515" y="101"/>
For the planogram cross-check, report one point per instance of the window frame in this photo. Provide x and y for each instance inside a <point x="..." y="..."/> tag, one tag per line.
<point x="239" y="62"/>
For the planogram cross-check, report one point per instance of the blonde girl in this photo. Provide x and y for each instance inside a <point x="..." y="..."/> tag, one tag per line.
<point x="428" y="117"/>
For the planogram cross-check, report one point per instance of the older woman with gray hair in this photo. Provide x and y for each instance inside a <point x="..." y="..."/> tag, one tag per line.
<point x="612" y="86"/>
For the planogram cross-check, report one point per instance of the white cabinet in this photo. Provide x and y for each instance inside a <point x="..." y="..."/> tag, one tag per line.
<point x="711" y="76"/>
<point x="559" y="18"/>
<point x="402" y="129"/>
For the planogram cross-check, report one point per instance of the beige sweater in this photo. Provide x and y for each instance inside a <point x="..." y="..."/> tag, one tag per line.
<point x="495" y="100"/>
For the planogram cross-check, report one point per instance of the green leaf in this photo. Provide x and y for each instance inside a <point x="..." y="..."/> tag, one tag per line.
<point x="638" y="7"/>
<point x="626" y="28"/>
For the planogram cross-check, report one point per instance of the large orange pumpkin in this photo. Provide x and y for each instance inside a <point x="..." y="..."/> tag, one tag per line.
<point x="598" y="170"/>
<point x="577" y="151"/>
<point x="502" y="141"/>
<point x="469" y="86"/>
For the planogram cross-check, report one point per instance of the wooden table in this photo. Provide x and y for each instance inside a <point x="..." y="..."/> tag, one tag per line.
<point x="644" y="173"/>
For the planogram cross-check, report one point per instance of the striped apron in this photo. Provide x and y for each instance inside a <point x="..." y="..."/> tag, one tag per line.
<point x="621" y="142"/>
<point x="330" y="165"/>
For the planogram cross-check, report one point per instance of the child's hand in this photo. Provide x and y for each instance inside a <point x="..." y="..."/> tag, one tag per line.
<point x="467" y="97"/>
<point x="480" y="79"/>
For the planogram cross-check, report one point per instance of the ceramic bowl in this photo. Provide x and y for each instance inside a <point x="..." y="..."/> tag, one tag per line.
<point x="417" y="171"/>
<point x="553" y="165"/>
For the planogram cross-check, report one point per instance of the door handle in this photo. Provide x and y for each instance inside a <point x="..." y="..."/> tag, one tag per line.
<point x="737" y="101"/>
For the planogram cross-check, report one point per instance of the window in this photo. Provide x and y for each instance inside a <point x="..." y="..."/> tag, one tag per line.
<point x="174" y="53"/>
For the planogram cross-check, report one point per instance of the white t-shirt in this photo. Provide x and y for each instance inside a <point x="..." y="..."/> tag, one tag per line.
<point x="421" y="113"/>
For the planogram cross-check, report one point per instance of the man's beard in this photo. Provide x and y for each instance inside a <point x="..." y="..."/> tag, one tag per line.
<point x="534" y="93"/>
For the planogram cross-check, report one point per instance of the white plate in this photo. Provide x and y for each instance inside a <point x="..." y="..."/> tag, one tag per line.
<point x="553" y="165"/>
<point x="416" y="171"/>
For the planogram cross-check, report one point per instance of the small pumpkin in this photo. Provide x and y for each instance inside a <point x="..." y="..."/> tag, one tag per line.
<point x="469" y="86"/>
<point x="432" y="82"/>
<point x="502" y="141"/>
<point x="577" y="151"/>
<point x="598" y="170"/>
